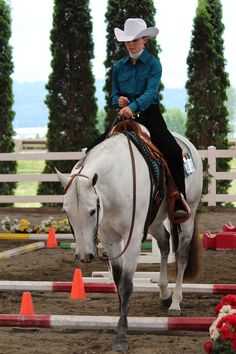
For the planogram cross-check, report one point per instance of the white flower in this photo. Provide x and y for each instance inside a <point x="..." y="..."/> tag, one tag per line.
<point x="226" y="309"/>
<point x="214" y="334"/>
<point x="46" y="222"/>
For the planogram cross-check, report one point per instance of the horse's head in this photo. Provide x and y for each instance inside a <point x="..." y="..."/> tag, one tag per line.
<point x="82" y="206"/>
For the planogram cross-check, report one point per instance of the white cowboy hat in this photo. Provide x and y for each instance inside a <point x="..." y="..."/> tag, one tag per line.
<point x="135" y="28"/>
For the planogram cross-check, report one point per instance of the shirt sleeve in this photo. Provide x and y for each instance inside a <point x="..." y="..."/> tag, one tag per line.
<point x="115" y="94"/>
<point x="146" y="98"/>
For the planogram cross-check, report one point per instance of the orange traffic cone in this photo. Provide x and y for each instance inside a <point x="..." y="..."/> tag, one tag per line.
<point x="27" y="307"/>
<point x="77" y="288"/>
<point x="51" y="241"/>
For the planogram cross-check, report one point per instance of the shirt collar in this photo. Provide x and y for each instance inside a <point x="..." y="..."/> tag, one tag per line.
<point x="143" y="57"/>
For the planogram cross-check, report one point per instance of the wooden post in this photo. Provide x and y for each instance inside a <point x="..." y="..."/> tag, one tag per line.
<point x="212" y="173"/>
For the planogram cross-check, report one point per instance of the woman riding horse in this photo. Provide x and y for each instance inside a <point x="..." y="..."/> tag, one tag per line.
<point x="135" y="82"/>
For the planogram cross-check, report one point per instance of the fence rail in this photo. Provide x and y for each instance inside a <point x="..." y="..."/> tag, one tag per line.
<point x="211" y="154"/>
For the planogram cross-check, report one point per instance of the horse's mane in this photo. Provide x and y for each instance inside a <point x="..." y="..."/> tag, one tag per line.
<point x="106" y="145"/>
<point x="102" y="155"/>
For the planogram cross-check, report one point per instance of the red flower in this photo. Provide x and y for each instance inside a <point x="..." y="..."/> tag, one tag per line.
<point x="208" y="347"/>
<point x="229" y="319"/>
<point x="225" y="332"/>
<point x="218" y="308"/>
<point x="227" y="300"/>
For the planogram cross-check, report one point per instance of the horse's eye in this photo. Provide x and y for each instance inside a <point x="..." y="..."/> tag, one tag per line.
<point x="92" y="212"/>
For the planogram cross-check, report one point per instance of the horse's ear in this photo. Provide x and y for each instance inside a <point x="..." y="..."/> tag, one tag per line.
<point x="63" y="179"/>
<point x="94" y="180"/>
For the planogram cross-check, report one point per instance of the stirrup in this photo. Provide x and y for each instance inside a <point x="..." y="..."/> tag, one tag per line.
<point x="183" y="212"/>
<point x="180" y="214"/>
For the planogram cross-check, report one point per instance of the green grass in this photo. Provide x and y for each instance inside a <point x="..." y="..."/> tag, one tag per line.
<point x="232" y="189"/>
<point x="28" y="188"/>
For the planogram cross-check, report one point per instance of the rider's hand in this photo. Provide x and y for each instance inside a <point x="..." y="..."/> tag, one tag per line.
<point x="126" y="112"/>
<point x="123" y="101"/>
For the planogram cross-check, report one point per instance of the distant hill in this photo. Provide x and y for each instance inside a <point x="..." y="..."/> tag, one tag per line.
<point x="32" y="112"/>
<point x="175" y="97"/>
<point x="29" y="104"/>
<point x="172" y="97"/>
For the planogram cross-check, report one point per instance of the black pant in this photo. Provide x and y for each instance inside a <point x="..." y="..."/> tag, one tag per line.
<point x="152" y="119"/>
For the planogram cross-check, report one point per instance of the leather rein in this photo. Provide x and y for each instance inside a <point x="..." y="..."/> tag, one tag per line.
<point x="134" y="197"/>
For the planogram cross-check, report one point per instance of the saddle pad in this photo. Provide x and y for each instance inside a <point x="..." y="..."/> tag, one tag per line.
<point x="154" y="164"/>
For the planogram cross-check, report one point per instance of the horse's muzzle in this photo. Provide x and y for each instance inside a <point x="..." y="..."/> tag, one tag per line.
<point x="87" y="259"/>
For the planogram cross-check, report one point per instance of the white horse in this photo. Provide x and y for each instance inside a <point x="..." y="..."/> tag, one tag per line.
<point x="100" y="199"/>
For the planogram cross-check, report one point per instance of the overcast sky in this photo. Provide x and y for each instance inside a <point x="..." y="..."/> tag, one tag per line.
<point x="32" y="21"/>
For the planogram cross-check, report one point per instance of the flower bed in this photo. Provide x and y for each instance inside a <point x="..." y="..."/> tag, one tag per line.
<point x="223" y="329"/>
<point x="25" y="226"/>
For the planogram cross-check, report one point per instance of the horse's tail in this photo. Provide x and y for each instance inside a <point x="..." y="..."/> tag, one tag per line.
<point x="193" y="265"/>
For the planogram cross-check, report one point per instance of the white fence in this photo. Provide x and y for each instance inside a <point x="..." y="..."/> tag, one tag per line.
<point x="52" y="177"/>
<point x="211" y="154"/>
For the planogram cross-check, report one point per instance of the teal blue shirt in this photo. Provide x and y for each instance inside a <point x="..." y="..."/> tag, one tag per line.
<point x="139" y="82"/>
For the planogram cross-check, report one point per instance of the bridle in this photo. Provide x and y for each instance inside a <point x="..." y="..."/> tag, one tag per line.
<point x="72" y="179"/>
<point x="98" y="205"/>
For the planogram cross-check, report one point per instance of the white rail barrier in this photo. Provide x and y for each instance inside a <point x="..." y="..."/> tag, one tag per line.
<point x="211" y="154"/>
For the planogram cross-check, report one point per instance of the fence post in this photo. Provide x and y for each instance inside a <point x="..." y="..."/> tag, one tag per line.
<point x="18" y="145"/>
<point x="212" y="173"/>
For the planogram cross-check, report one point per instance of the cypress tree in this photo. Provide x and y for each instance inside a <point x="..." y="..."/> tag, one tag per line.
<point x="116" y="15"/>
<point x="207" y="122"/>
<point x="71" y="87"/>
<point x="6" y="97"/>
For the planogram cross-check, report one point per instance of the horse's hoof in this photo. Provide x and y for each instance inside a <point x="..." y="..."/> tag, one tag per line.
<point x="167" y="302"/>
<point x="120" y="346"/>
<point x="174" y="313"/>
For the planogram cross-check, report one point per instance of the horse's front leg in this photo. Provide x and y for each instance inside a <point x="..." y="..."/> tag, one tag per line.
<point x="124" y="284"/>
<point x="162" y="236"/>
<point x="123" y="269"/>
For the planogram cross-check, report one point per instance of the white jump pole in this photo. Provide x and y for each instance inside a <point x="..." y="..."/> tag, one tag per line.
<point x="21" y="250"/>
<point x="103" y="286"/>
<point x="137" y="324"/>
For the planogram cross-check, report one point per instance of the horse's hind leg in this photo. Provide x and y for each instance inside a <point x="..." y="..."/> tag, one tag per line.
<point x="187" y="264"/>
<point x="181" y="259"/>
